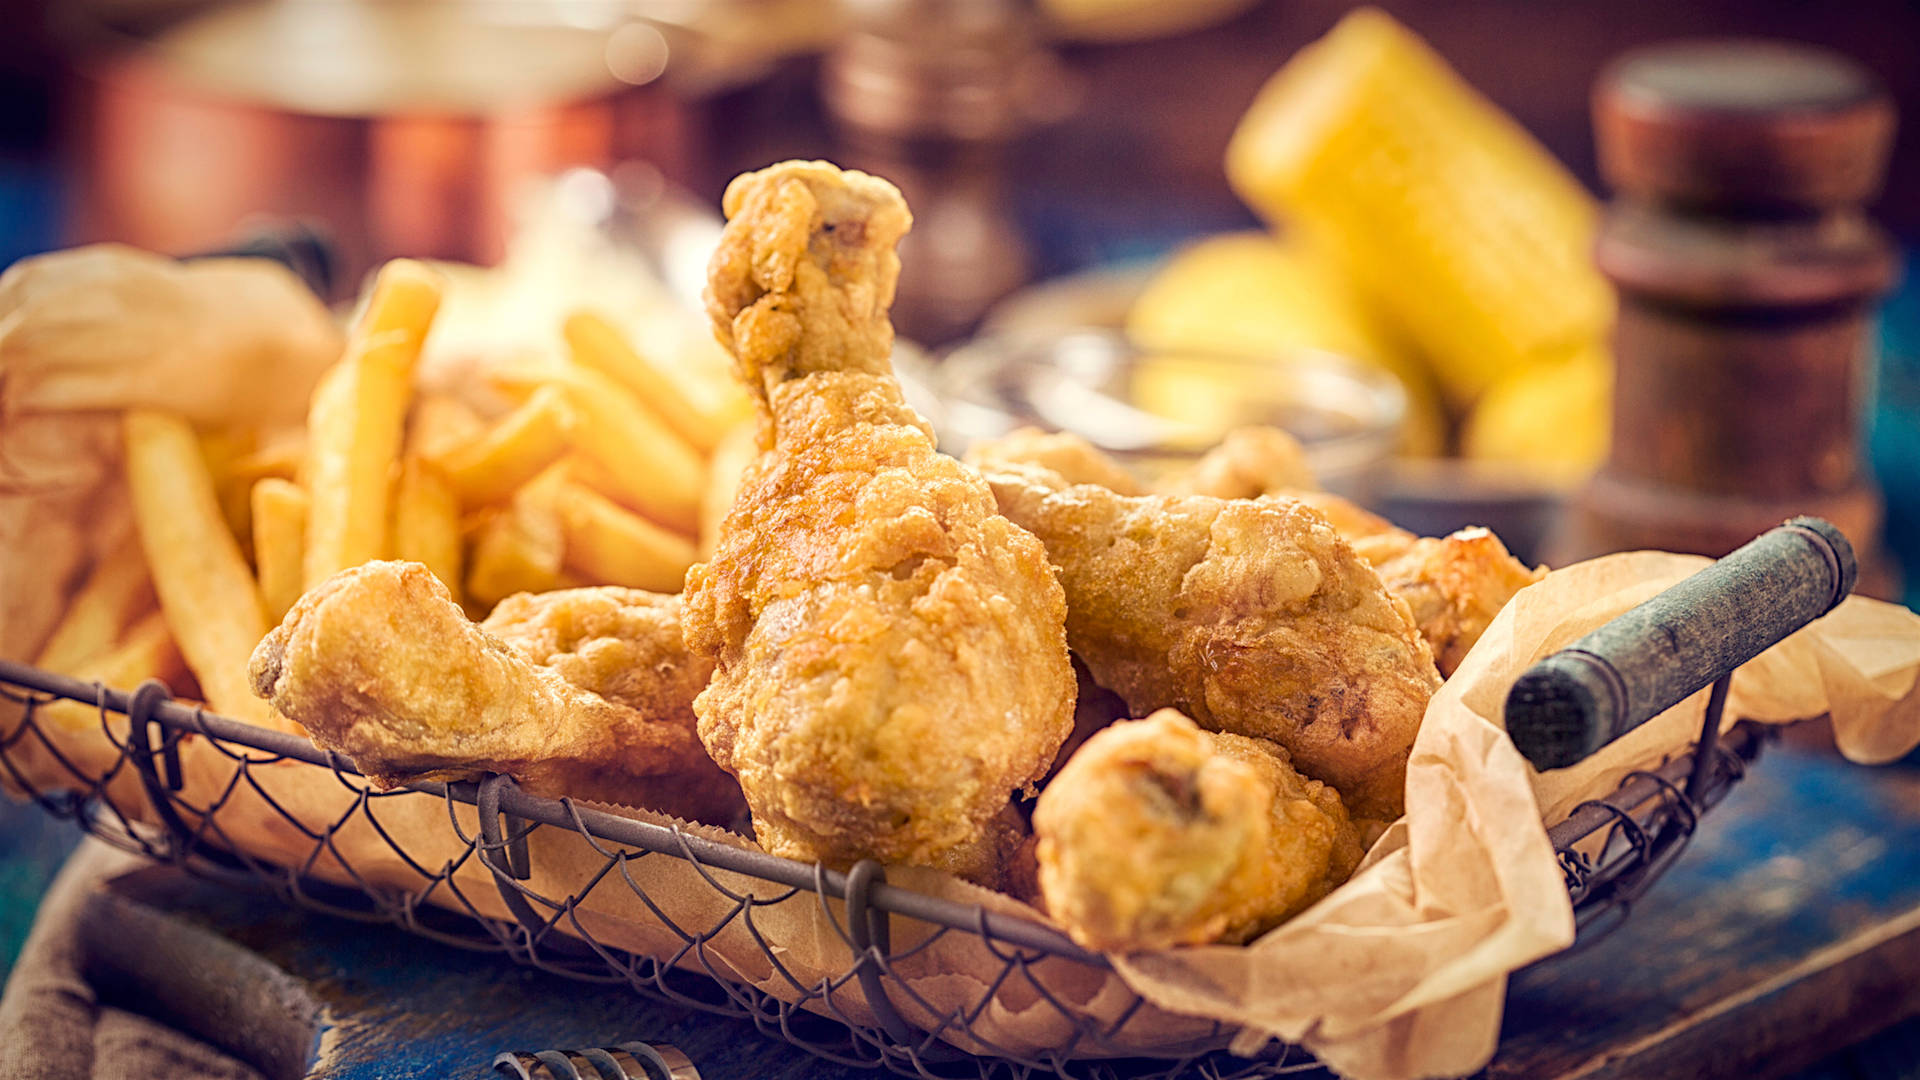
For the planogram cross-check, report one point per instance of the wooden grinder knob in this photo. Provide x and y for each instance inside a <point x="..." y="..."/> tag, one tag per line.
<point x="1747" y="273"/>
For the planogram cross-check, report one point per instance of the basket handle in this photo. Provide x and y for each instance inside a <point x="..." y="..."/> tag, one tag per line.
<point x="1618" y="677"/>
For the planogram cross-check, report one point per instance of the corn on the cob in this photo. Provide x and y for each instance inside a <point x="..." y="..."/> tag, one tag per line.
<point x="1259" y="295"/>
<point x="1461" y="226"/>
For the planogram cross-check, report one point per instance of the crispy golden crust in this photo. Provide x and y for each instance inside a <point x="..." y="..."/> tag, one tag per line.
<point x="1070" y="455"/>
<point x="625" y="645"/>
<point x="1159" y="834"/>
<point x="1455" y="585"/>
<point x="1253" y="616"/>
<point x="890" y="662"/>
<point x="379" y="664"/>
<point x="1248" y="462"/>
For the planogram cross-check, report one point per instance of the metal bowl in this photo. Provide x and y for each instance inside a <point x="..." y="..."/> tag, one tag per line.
<point x="1160" y="410"/>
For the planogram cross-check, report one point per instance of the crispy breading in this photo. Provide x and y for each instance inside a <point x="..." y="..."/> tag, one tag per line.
<point x="1070" y="455"/>
<point x="1253" y="616"/>
<point x="379" y="664"/>
<point x="1455" y="585"/>
<point x="625" y="645"/>
<point x="1247" y="463"/>
<point x="1158" y="834"/>
<point x="890" y="661"/>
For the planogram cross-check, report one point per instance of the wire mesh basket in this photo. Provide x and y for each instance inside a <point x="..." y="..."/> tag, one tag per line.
<point x="207" y="793"/>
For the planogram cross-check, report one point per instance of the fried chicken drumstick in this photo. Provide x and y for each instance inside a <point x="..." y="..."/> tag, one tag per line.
<point x="890" y="661"/>
<point x="1252" y="616"/>
<point x="1158" y="834"/>
<point x="379" y="664"/>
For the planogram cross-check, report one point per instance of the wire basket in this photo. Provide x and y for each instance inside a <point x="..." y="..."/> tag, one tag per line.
<point x="208" y="793"/>
<point x="1610" y="850"/>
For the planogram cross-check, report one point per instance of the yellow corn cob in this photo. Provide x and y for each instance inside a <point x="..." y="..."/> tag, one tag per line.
<point x="1259" y="295"/>
<point x="1462" y="228"/>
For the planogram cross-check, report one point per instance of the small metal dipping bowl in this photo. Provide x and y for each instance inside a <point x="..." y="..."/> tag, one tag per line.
<point x="1159" y="410"/>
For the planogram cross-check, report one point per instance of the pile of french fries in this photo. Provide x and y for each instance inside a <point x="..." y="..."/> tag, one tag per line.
<point x="600" y="470"/>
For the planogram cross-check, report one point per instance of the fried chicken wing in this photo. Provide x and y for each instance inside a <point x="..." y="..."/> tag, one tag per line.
<point x="1158" y="834"/>
<point x="1247" y="463"/>
<point x="1073" y="457"/>
<point x="379" y="664"/>
<point x="1454" y="585"/>
<point x="625" y="645"/>
<point x="890" y="658"/>
<point x="1252" y="616"/>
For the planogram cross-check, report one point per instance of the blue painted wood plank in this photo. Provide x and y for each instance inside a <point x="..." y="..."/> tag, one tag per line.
<point x="1795" y="879"/>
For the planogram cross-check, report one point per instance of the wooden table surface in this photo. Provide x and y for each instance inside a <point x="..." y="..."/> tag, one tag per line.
<point x="1790" y="929"/>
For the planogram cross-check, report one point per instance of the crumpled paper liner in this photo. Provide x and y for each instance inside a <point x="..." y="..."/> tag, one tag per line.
<point x="88" y="332"/>
<point x="1399" y="973"/>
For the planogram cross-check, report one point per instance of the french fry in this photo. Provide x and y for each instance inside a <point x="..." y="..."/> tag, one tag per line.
<point x="91" y="741"/>
<point x="117" y="590"/>
<point x="280" y="454"/>
<point x="279" y="533"/>
<point x="208" y="595"/>
<point x="223" y="450"/>
<point x="357" y="420"/>
<point x="145" y="652"/>
<point x="426" y="521"/>
<point x="726" y="471"/>
<point x="644" y="463"/>
<point x="501" y="459"/>
<point x="515" y="549"/>
<point x="327" y="401"/>
<point x="611" y="544"/>
<point x="596" y="343"/>
<point x="439" y="423"/>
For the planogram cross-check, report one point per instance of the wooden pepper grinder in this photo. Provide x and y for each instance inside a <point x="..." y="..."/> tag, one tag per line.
<point x="1747" y="275"/>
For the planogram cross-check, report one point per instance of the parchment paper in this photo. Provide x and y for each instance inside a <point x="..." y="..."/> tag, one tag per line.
<point x="1399" y="973"/>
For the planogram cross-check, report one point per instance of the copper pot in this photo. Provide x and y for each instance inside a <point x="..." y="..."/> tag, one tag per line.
<point x="404" y="127"/>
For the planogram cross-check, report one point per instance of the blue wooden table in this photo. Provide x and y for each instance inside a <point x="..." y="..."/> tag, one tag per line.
<point x="1790" y="930"/>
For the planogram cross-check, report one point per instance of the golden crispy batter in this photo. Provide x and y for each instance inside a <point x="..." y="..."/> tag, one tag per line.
<point x="1159" y="834"/>
<point x="1248" y="462"/>
<point x="1252" y="616"/>
<point x="1455" y="585"/>
<point x="1374" y="537"/>
<point x="379" y="664"/>
<point x="890" y="662"/>
<point x="625" y="645"/>
<point x="1070" y="455"/>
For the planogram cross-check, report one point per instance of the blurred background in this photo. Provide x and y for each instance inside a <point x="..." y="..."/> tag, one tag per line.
<point x="1395" y="261"/>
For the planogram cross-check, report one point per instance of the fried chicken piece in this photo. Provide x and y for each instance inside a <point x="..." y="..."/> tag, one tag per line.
<point x="1252" y="616"/>
<point x="1159" y="834"/>
<point x="379" y="664"/>
<point x="1247" y="463"/>
<point x="1374" y="537"/>
<point x="890" y="660"/>
<point x="1070" y="455"/>
<point x="625" y="645"/>
<point x="1455" y="585"/>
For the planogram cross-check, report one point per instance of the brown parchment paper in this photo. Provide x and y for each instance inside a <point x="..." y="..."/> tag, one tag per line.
<point x="1466" y="880"/>
<point x="1399" y="973"/>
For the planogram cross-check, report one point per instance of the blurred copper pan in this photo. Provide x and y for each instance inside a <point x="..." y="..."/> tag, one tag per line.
<point x="403" y="127"/>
